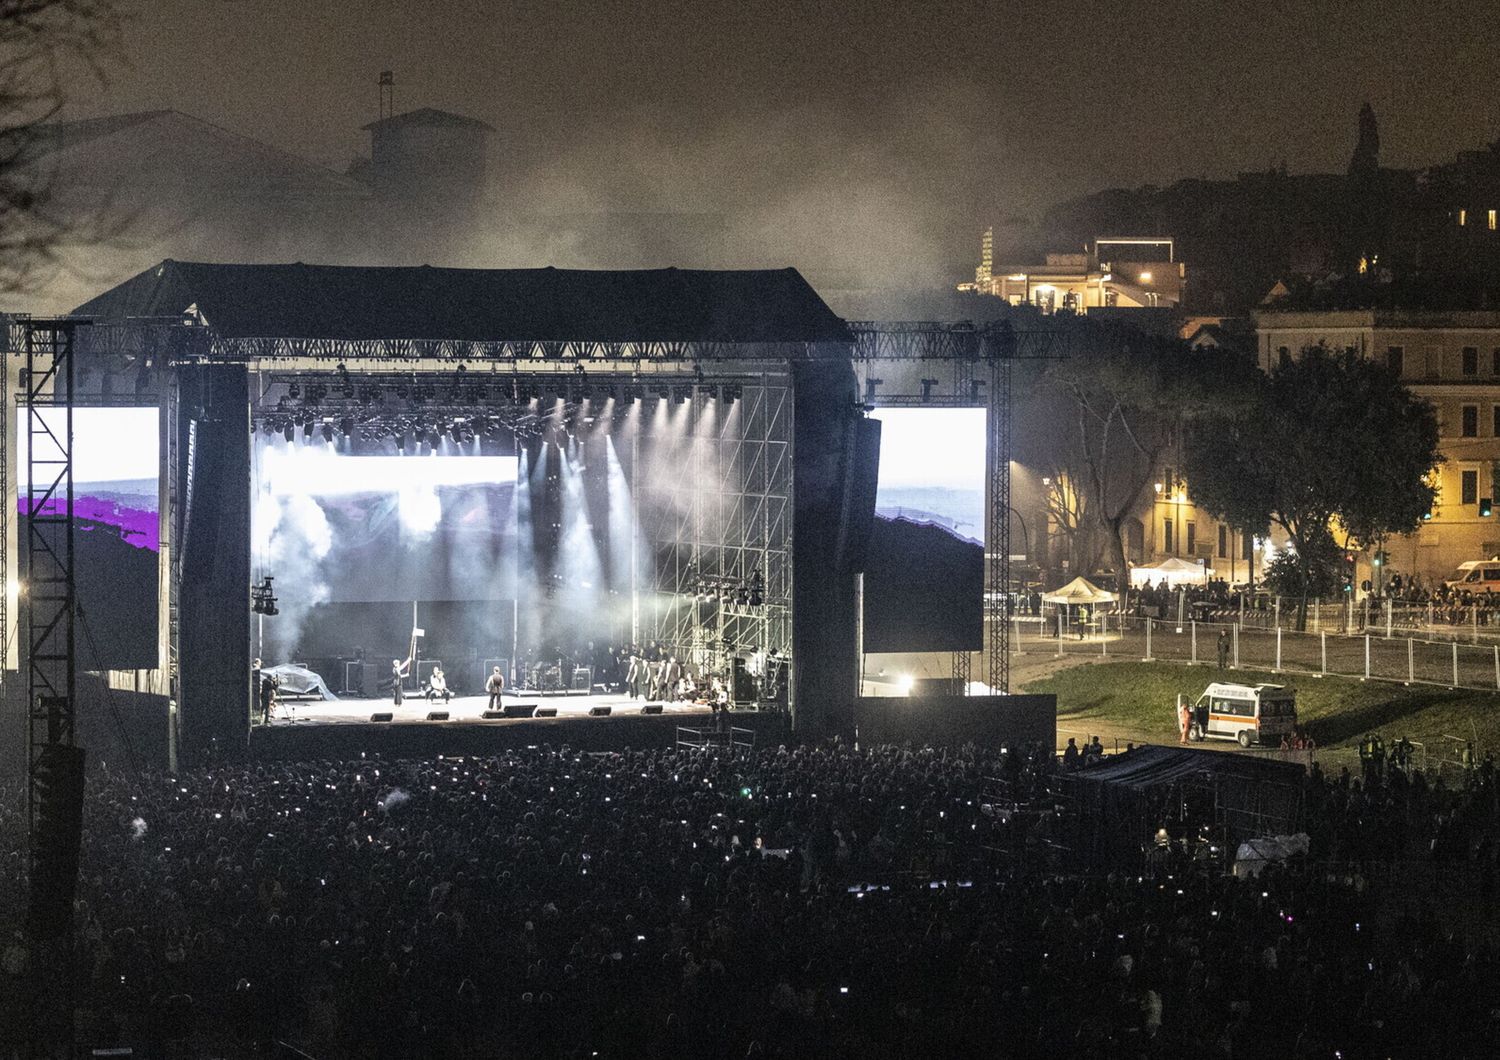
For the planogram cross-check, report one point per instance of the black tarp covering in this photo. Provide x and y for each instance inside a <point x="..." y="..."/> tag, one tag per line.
<point x="1117" y="803"/>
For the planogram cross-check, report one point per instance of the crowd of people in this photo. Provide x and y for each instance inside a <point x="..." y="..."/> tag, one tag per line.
<point x="800" y="901"/>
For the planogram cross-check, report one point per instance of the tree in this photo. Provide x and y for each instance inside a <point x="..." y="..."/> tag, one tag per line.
<point x="44" y="44"/>
<point x="1328" y="443"/>
<point x="1127" y="396"/>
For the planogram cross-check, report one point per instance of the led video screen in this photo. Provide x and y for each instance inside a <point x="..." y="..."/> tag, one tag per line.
<point x="924" y="578"/>
<point x="332" y="527"/>
<point x="116" y="507"/>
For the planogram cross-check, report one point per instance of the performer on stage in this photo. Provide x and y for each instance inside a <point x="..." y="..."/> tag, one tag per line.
<point x="494" y="686"/>
<point x="672" y="677"/>
<point x="437" y="685"/>
<point x="265" y="692"/>
<point x="635" y="676"/>
<point x="399" y="671"/>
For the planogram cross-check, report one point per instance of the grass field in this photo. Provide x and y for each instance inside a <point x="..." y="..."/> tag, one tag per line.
<point x="1135" y="701"/>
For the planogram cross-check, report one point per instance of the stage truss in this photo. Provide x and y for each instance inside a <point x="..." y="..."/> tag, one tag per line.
<point x="722" y="529"/>
<point x="930" y="364"/>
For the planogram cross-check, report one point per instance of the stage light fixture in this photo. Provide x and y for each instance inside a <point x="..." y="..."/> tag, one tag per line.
<point x="434" y="439"/>
<point x="400" y="441"/>
<point x="681" y="393"/>
<point x="307" y="429"/>
<point x="731" y="393"/>
<point x="456" y="429"/>
<point x="327" y="431"/>
<point x="346" y="426"/>
<point x="289" y="431"/>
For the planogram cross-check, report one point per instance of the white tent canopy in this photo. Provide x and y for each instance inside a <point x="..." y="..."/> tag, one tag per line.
<point x="1079" y="591"/>
<point x="1173" y="571"/>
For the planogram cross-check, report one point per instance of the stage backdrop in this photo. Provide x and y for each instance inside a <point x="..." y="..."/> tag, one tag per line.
<point x="353" y="538"/>
<point x="116" y="473"/>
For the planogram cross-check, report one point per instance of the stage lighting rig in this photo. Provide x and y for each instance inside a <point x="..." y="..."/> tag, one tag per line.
<point x="263" y="597"/>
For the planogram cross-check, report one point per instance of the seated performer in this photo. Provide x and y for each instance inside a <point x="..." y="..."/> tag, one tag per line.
<point x="494" y="686"/>
<point x="437" y="685"/>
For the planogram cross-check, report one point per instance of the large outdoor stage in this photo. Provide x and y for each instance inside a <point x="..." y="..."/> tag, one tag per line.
<point x="470" y="710"/>
<point x="344" y="728"/>
<point x="563" y="476"/>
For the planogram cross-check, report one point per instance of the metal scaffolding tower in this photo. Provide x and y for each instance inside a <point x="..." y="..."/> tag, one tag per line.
<point x="722" y="526"/>
<point x="48" y="592"/>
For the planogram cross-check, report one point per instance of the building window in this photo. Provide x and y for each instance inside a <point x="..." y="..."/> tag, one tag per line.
<point x="1490" y="219"/>
<point x="1469" y="487"/>
<point x="1463" y="217"/>
<point x="1223" y="542"/>
<point x="1495" y="420"/>
<point x="1166" y="536"/>
<point x="1471" y="360"/>
<point x="1192" y="537"/>
<point x="1283" y="356"/>
<point x="1395" y="358"/>
<point x="1469" y="424"/>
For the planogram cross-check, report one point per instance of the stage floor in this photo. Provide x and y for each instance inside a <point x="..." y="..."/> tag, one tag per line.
<point x="462" y="710"/>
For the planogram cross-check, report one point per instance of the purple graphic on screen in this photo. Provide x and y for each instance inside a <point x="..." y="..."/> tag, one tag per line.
<point x="123" y="509"/>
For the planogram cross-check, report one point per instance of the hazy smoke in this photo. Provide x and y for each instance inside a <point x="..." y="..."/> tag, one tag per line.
<point x="138" y="828"/>
<point x="291" y="539"/>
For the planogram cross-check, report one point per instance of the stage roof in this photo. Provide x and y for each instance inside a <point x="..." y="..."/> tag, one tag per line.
<point x="478" y="305"/>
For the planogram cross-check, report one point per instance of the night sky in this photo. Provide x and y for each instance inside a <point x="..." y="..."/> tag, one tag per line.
<point x="916" y="122"/>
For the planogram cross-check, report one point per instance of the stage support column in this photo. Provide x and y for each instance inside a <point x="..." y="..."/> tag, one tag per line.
<point x="823" y="631"/>
<point x="635" y="539"/>
<point x="214" y="634"/>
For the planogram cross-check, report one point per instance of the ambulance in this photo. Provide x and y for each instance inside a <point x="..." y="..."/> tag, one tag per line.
<point x="1251" y="714"/>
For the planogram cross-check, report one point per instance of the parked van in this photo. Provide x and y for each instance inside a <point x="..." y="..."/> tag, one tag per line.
<point x="1476" y="576"/>
<point x="1251" y="714"/>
